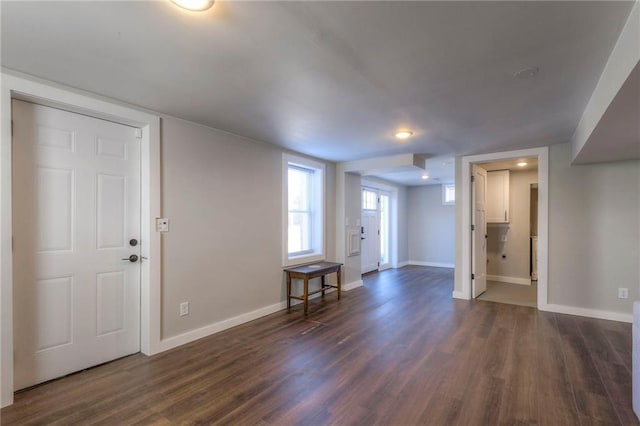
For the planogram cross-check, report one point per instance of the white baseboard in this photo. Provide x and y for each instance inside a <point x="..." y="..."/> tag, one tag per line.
<point x="208" y="330"/>
<point x="510" y="280"/>
<point x="434" y="264"/>
<point x="586" y="312"/>
<point x="199" y="333"/>
<point x="459" y="295"/>
<point x="352" y="285"/>
<point x="401" y="265"/>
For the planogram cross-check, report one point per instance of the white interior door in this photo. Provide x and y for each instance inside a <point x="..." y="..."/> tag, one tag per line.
<point x="479" y="232"/>
<point x="76" y="209"/>
<point x="370" y="247"/>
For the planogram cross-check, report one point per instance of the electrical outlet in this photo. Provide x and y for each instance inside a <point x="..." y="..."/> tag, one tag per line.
<point x="623" y="293"/>
<point x="184" y="309"/>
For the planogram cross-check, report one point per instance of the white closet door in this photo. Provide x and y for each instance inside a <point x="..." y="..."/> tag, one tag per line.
<point x="76" y="210"/>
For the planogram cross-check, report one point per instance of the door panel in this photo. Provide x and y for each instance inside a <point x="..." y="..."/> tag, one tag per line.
<point x="76" y="204"/>
<point x="370" y="247"/>
<point x="479" y="234"/>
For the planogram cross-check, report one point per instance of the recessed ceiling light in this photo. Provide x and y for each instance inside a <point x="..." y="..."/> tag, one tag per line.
<point x="425" y="176"/>
<point x="403" y="134"/>
<point x="527" y="73"/>
<point x="194" y="5"/>
<point x="522" y="164"/>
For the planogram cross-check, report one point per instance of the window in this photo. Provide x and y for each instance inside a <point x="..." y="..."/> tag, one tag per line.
<point x="369" y="200"/>
<point x="448" y="193"/>
<point x="303" y="182"/>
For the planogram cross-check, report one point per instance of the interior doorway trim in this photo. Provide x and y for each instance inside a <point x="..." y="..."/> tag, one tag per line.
<point x="49" y="94"/>
<point x="543" y="218"/>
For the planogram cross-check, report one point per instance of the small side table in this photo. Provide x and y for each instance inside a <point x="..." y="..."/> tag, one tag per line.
<point x="307" y="272"/>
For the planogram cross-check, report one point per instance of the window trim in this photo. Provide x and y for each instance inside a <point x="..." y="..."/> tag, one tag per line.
<point x="318" y="239"/>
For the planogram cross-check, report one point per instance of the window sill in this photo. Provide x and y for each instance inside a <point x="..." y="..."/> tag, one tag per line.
<point x="301" y="260"/>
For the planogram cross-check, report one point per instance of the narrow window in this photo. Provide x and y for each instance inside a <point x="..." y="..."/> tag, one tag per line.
<point x="448" y="193"/>
<point x="304" y="221"/>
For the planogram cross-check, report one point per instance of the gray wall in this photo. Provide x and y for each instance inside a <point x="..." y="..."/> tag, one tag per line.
<point x="432" y="237"/>
<point x="223" y="196"/>
<point x="594" y="232"/>
<point x="516" y="248"/>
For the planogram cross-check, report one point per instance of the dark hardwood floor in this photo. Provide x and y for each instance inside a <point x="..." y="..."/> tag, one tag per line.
<point x="399" y="351"/>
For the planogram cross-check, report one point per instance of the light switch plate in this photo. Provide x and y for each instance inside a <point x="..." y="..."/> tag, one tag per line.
<point x="162" y="224"/>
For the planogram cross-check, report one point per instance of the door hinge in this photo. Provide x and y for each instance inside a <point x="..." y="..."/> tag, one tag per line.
<point x="473" y="178"/>
<point x="473" y="227"/>
<point x="11" y="128"/>
<point x="378" y="232"/>
<point x="138" y="133"/>
<point x="473" y="277"/>
<point x="378" y="264"/>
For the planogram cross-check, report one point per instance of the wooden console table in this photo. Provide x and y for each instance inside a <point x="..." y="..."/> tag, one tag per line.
<point x="307" y="272"/>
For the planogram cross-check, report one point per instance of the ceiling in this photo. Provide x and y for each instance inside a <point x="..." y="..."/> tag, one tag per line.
<point x="333" y="79"/>
<point x="620" y="124"/>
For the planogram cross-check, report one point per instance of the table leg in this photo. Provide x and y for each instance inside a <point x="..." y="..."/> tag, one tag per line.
<point x="322" y="284"/>
<point x="306" y="295"/>
<point x="339" y="285"/>
<point x="288" y="291"/>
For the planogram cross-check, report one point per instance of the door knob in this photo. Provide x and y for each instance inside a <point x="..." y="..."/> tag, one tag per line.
<point x="133" y="258"/>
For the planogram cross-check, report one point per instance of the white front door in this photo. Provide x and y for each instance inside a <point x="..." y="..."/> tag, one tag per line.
<point x="479" y="232"/>
<point x="370" y="246"/>
<point x="76" y="214"/>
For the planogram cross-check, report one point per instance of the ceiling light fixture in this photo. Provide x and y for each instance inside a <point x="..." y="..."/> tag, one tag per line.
<point x="194" y="5"/>
<point x="522" y="164"/>
<point x="425" y="176"/>
<point x="403" y="134"/>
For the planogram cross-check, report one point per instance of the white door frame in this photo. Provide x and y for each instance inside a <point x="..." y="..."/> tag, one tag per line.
<point x="49" y="94"/>
<point x="542" y="154"/>
<point x="393" y="216"/>
<point x="389" y="194"/>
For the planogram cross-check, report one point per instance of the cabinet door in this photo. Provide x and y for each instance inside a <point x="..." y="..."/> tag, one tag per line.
<point x="498" y="196"/>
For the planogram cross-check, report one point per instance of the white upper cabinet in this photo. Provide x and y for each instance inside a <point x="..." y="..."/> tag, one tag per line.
<point x="498" y="196"/>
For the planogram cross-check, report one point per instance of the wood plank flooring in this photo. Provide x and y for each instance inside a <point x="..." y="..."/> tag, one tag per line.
<point x="399" y="351"/>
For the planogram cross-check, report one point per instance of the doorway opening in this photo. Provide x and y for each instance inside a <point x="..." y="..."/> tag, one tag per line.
<point x="375" y="229"/>
<point x="505" y="235"/>
<point x="15" y="87"/>
<point x="498" y="219"/>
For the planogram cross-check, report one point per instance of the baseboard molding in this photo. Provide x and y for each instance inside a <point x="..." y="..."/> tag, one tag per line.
<point x="459" y="295"/>
<point x="353" y="285"/>
<point x="401" y="265"/>
<point x="586" y="312"/>
<point x="208" y="330"/>
<point x="199" y="333"/>
<point x="510" y="280"/>
<point x="434" y="264"/>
